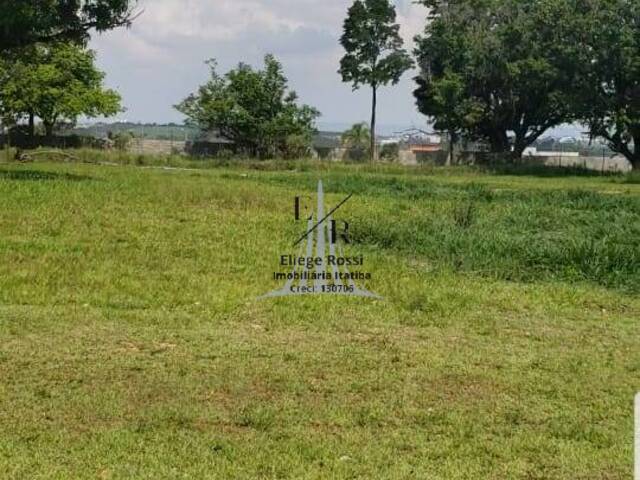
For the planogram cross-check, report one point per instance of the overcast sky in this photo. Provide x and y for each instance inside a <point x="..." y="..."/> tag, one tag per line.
<point x="160" y="59"/>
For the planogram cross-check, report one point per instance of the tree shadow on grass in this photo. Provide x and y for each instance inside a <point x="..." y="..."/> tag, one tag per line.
<point x="38" y="176"/>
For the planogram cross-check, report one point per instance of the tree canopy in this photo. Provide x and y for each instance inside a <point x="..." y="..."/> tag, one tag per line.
<point x="254" y="108"/>
<point x="374" y="54"/>
<point x="26" y="22"/>
<point x="499" y="68"/>
<point x="610" y="94"/>
<point x="57" y="82"/>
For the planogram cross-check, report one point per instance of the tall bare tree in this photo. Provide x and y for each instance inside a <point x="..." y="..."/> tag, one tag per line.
<point x="374" y="54"/>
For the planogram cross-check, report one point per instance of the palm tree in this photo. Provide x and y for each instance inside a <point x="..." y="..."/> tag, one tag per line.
<point x="357" y="141"/>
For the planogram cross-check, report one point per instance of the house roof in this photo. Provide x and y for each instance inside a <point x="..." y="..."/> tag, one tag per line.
<point x="425" y="148"/>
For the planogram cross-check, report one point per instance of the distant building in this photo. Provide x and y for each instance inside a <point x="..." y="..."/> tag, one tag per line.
<point x="209" y="144"/>
<point x="323" y="139"/>
<point x="432" y="147"/>
<point x="534" y="152"/>
<point x="327" y="145"/>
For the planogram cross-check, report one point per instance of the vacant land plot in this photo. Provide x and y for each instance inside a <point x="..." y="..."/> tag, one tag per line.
<point x="132" y="344"/>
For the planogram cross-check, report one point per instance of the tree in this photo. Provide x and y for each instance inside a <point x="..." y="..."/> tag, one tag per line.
<point x="26" y="22"/>
<point x="55" y="83"/>
<point x="357" y="140"/>
<point x="611" y="95"/>
<point x="444" y="100"/>
<point x="499" y="68"/>
<point x="7" y="117"/>
<point x="358" y="136"/>
<point x="374" y="54"/>
<point x="254" y="108"/>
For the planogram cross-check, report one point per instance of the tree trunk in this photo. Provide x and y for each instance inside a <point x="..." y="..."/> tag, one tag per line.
<point x="8" y="144"/>
<point x="32" y="129"/>
<point x="48" y="130"/>
<point x="452" y="144"/>
<point x="635" y="158"/>
<point x="499" y="142"/>
<point x="519" y="147"/>
<point x="374" y="105"/>
<point x="500" y="147"/>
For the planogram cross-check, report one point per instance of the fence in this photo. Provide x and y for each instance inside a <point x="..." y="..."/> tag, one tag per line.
<point x="439" y="158"/>
<point x="157" y="147"/>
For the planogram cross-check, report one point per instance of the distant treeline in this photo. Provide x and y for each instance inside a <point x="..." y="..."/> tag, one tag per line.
<point x="154" y="131"/>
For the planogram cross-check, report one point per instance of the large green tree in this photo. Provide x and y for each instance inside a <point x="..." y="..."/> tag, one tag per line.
<point x="26" y="22"/>
<point x="495" y="69"/>
<point x="56" y="83"/>
<point x="610" y="99"/>
<point x="374" y="54"/>
<point x="254" y="108"/>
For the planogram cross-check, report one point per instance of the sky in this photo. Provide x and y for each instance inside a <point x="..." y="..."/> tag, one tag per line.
<point x="160" y="59"/>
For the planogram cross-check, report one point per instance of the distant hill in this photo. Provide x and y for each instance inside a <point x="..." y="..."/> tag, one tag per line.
<point x="154" y="131"/>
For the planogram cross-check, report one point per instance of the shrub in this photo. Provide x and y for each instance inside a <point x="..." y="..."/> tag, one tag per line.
<point x="390" y="152"/>
<point x="122" y="140"/>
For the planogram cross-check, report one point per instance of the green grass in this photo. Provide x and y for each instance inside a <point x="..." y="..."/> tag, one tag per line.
<point x="132" y="344"/>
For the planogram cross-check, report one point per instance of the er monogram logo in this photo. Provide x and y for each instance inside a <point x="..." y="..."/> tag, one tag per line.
<point x="321" y="266"/>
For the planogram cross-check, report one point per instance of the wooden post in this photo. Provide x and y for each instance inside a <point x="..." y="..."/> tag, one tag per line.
<point x="8" y="146"/>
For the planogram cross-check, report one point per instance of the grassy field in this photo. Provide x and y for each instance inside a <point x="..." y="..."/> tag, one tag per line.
<point x="132" y="343"/>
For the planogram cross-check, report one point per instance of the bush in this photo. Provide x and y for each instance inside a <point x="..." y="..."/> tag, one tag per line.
<point x="633" y="178"/>
<point x="296" y="146"/>
<point x="20" y="138"/>
<point x="121" y="140"/>
<point x="225" y="154"/>
<point x="390" y="152"/>
<point x="357" y="154"/>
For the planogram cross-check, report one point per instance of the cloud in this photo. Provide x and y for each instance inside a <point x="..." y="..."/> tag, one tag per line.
<point x="159" y="60"/>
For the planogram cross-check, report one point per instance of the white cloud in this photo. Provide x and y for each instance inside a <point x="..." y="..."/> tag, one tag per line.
<point x="160" y="58"/>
